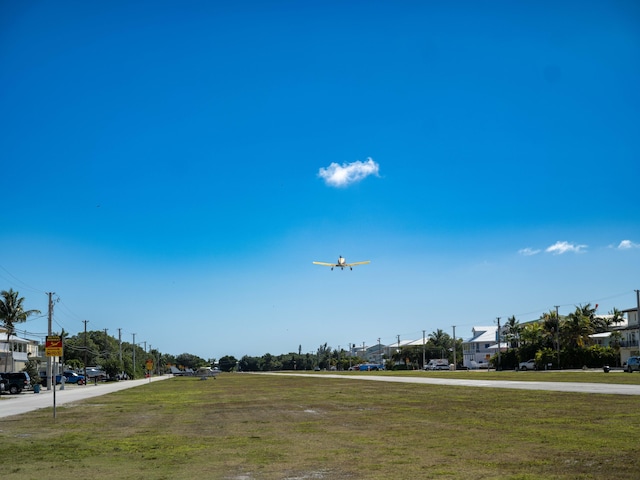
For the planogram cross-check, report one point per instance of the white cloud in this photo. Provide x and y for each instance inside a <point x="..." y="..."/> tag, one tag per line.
<point x="559" y="248"/>
<point x="344" y="175"/>
<point x="627" y="244"/>
<point x="527" y="252"/>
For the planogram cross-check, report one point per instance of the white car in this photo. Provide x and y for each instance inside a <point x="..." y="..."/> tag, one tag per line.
<point x="528" y="365"/>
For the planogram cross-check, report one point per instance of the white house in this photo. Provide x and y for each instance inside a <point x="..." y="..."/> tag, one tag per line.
<point x="478" y="349"/>
<point x="15" y="353"/>
<point x="630" y="335"/>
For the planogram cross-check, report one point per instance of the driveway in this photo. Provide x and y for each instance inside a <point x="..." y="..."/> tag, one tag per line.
<point x="28" y="401"/>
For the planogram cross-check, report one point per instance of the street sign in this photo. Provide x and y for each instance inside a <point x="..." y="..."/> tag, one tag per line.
<point x="149" y="364"/>
<point x="53" y="346"/>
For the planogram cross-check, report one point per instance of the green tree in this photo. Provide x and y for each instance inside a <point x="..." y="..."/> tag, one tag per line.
<point x="249" y="364"/>
<point x="188" y="360"/>
<point x="12" y="312"/>
<point x="577" y="327"/>
<point x="33" y="369"/>
<point x="532" y="337"/>
<point x="227" y="363"/>
<point x="512" y="331"/>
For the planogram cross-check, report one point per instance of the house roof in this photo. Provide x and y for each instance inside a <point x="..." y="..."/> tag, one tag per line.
<point x="12" y="338"/>
<point x="416" y="343"/>
<point x="483" y="335"/>
<point x="403" y="343"/>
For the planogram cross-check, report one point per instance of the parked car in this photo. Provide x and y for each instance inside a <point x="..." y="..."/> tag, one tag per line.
<point x="95" y="373"/>
<point x="528" y="365"/>
<point x="16" y="382"/>
<point x="633" y="364"/>
<point x="71" y="377"/>
<point x="437" y="364"/>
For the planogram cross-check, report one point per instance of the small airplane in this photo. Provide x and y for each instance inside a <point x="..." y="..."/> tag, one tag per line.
<point x="342" y="263"/>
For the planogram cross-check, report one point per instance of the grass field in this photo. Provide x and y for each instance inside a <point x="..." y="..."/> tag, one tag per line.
<point x="246" y="427"/>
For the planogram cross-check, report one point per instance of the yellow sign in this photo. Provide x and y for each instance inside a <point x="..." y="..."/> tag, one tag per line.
<point x="149" y="365"/>
<point x="53" y="346"/>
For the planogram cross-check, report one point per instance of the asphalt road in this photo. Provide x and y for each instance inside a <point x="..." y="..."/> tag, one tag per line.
<point x="29" y="401"/>
<point x="602" y="388"/>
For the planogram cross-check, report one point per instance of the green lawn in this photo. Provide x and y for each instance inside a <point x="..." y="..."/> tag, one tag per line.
<point x="246" y="427"/>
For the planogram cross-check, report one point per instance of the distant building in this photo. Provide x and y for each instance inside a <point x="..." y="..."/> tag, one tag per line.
<point x="478" y="350"/>
<point x="630" y="335"/>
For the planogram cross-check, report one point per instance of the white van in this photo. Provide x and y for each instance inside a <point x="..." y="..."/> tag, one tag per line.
<point x="437" y="364"/>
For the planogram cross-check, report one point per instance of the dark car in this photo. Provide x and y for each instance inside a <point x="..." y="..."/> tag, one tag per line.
<point x="633" y="364"/>
<point x="15" y="382"/>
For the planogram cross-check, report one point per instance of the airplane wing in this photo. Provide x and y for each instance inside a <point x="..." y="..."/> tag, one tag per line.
<point x="324" y="264"/>
<point x="357" y="263"/>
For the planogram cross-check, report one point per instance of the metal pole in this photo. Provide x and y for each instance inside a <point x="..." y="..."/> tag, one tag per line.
<point x="454" y="348"/>
<point x="423" y="346"/>
<point x="49" y="366"/>
<point x="133" y="374"/>
<point x="558" y="336"/>
<point x="638" y="317"/>
<point x="85" y="352"/>
<point x="498" y="366"/>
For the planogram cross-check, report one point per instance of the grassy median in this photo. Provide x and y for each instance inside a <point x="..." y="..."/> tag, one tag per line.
<point x="246" y="427"/>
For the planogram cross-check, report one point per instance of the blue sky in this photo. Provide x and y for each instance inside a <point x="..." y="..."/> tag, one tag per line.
<point x="173" y="168"/>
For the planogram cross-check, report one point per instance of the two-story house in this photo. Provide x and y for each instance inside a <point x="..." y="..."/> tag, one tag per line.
<point x="15" y="352"/>
<point x="478" y="349"/>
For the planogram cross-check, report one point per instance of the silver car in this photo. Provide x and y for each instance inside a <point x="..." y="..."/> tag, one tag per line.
<point x="633" y="364"/>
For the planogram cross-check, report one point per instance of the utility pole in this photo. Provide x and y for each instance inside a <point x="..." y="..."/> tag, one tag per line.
<point x="558" y="335"/>
<point x="85" y="350"/>
<point x="498" y="366"/>
<point x="638" y="316"/>
<point x="120" y="346"/>
<point x="454" y="347"/>
<point x="50" y="319"/>
<point x="133" y="374"/>
<point x="423" y="347"/>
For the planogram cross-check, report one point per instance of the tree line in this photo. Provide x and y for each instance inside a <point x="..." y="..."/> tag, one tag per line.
<point x="557" y="341"/>
<point x="553" y="341"/>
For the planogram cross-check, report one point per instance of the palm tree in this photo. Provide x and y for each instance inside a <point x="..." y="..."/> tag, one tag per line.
<point x="578" y="326"/>
<point x="512" y="330"/>
<point x="551" y="327"/>
<point x="11" y="312"/>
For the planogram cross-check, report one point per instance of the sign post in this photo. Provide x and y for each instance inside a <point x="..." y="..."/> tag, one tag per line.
<point x="53" y="348"/>
<point x="149" y="367"/>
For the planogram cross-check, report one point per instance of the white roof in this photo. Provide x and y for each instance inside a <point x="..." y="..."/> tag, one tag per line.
<point x="483" y="335"/>
<point x="12" y="338"/>
<point x="403" y="343"/>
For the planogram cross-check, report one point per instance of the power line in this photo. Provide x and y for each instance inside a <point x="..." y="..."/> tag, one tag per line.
<point x="16" y="279"/>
